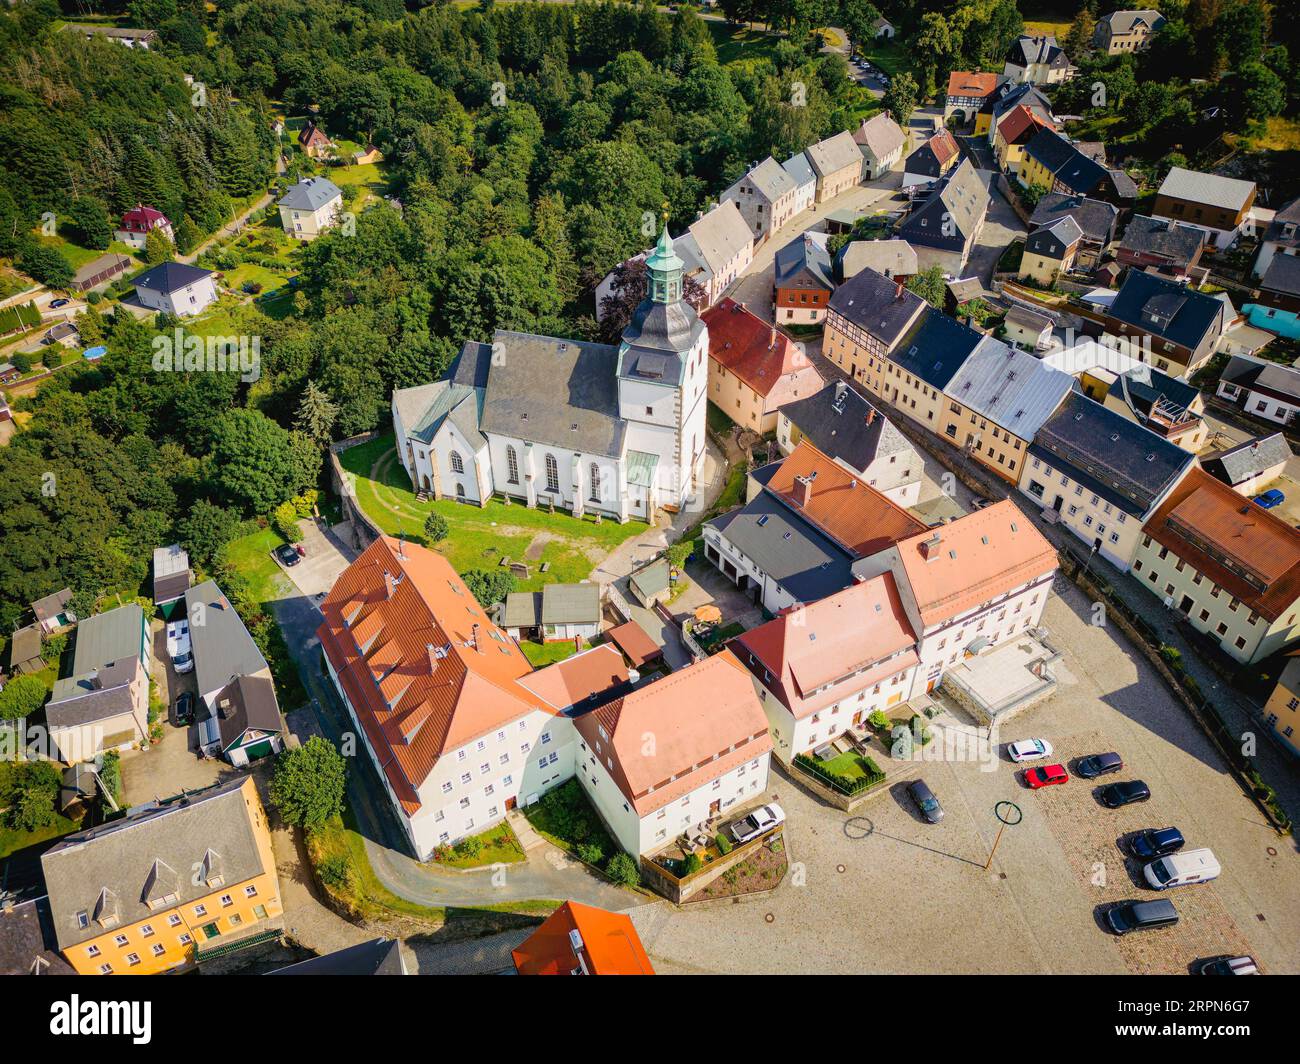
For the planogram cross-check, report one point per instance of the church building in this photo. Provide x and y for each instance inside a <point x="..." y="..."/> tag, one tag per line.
<point x="582" y="426"/>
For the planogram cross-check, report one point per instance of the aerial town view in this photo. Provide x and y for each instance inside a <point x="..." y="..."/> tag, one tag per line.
<point x="589" y="487"/>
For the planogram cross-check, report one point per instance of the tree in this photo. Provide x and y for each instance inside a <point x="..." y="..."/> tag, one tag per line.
<point x="436" y="528"/>
<point x="284" y="518"/>
<point x="901" y="96"/>
<point x="29" y="796"/>
<point x="256" y="464"/>
<point x="858" y="17"/>
<point x="90" y="221"/>
<point x="205" y="529"/>
<point x="929" y="285"/>
<point x="1261" y="92"/>
<point x="623" y="870"/>
<point x="489" y="586"/>
<point x="317" y="413"/>
<point x="45" y="265"/>
<point x="21" y="697"/>
<point x="157" y="248"/>
<point x="1078" y="39"/>
<point x="309" y="783"/>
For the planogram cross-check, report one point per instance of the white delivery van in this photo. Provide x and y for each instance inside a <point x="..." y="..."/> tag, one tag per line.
<point x="1180" y="869"/>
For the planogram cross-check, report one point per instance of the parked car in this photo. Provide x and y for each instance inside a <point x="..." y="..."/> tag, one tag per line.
<point x="1182" y="869"/>
<point x="178" y="646"/>
<point x="925" y="801"/>
<point x="182" y="710"/>
<point x="979" y="502"/>
<point x="1130" y="916"/>
<point x="1099" y="765"/>
<point x="1047" y="776"/>
<point x="1029" y="750"/>
<point x="1270" y="498"/>
<point x="287" y="555"/>
<point x="1226" y="966"/>
<point x="759" y="821"/>
<point x="1156" y="842"/>
<point x="56" y="304"/>
<point x="1126" y="793"/>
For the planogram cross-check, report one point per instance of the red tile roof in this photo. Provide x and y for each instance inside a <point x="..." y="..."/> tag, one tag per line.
<point x="757" y="352"/>
<point x="1019" y="124"/>
<point x="705" y="719"/>
<point x="816" y="655"/>
<point x="971" y="83"/>
<point x="422" y="664"/>
<point x="975" y="559"/>
<point x="141" y="219"/>
<point x="1242" y="547"/>
<point x="610" y="945"/>
<point x="635" y="643"/>
<point x="847" y="509"/>
<point x="944" y="146"/>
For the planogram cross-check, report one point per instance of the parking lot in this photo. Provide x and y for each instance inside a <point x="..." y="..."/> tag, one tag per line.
<point x="885" y="892"/>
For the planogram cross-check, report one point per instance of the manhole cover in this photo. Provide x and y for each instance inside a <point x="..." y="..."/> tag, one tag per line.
<point x="839" y="868"/>
<point x="1271" y="851"/>
<point x="770" y="917"/>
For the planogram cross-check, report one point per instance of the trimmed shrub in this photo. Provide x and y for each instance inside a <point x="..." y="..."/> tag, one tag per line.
<point x="723" y="843"/>
<point x="622" y="869"/>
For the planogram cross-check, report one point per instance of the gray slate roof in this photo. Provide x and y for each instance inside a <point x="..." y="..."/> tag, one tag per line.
<point x="154" y="852"/>
<point x="1054" y="238"/>
<point x="879" y="136"/>
<point x="935" y="348"/>
<point x="562" y="393"/>
<point x="1124" y="21"/>
<point x="894" y="257"/>
<point x="1009" y="386"/>
<point x="1164" y="237"/>
<point x="1228" y="193"/>
<point x="27" y="945"/>
<point x="1282" y="275"/>
<point x="1126" y="464"/>
<point x="105" y="656"/>
<point x="248" y="702"/>
<point x="801" y="173"/>
<point x="1181" y="314"/>
<point x="168" y="277"/>
<point x="839" y="422"/>
<point x="1238" y="464"/>
<point x="310" y="194"/>
<point x="223" y="647"/>
<point x="833" y="154"/>
<point x="171" y="573"/>
<point x="952" y="214"/>
<point x="771" y="179"/>
<point x="877" y="305"/>
<point x="721" y="235"/>
<point x="805" y="256"/>
<point x="1246" y="371"/>
<point x="380" y="956"/>
<point x="1096" y="218"/>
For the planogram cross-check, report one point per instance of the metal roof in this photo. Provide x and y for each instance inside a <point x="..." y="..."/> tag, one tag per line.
<point x="1009" y="387"/>
<point x="1228" y="193"/>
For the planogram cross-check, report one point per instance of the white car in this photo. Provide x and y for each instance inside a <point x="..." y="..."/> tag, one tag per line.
<point x="178" y="646"/>
<point x="759" y="821"/>
<point x="1029" y="750"/>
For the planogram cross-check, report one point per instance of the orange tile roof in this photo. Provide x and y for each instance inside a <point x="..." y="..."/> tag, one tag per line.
<point x="705" y="719"/>
<point x="847" y="509"/>
<point x="379" y="641"/>
<point x="971" y="83"/>
<point x="847" y="642"/>
<point x="571" y="681"/>
<point x="764" y="358"/>
<point x="1242" y="547"/>
<point x="610" y="945"/>
<point x="635" y="643"/>
<point x="944" y="146"/>
<point x="977" y="558"/>
<point x="1018" y="122"/>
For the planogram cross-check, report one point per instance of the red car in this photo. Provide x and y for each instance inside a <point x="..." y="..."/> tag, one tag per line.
<point x="1047" y="776"/>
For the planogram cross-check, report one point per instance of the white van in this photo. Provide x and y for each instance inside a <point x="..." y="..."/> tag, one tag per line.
<point x="1180" y="869"/>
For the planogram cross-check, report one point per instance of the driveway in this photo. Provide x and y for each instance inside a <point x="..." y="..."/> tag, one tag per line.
<point x="1001" y="226"/>
<point x="327" y="555"/>
<point x="885" y="892"/>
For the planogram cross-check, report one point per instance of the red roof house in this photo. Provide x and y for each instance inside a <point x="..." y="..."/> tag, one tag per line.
<point x="583" y="940"/>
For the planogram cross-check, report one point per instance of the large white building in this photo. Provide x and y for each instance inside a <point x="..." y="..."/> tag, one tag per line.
<point x="618" y="431"/>
<point x="461" y="729"/>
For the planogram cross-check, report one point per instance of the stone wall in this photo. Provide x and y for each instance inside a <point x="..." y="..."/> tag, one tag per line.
<point x="363" y="530"/>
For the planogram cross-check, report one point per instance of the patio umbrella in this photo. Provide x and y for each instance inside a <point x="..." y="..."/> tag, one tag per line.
<point x="708" y="614"/>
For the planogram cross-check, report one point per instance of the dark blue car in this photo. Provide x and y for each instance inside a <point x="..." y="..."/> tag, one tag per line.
<point x="1270" y="498"/>
<point x="1156" y="842"/>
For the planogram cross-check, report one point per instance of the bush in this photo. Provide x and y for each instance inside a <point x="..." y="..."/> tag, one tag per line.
<point x="878" y="720"/>
<point x="29" y="795"/>
<point x="622" y="869"/>
<point x="22" y="362"/>
<point x="285" y="520"/>
<point x="336" y="873"/>
<point x="436" y="528"/>
<point x="691" y="865"/>
<point x="723" y="843"/>
<point x="55" y="645"/>
<point x="590" y="853"/>
<point x="22" y="696"/>
<point x="309" y="783"/>
<point x="470" y="847"/>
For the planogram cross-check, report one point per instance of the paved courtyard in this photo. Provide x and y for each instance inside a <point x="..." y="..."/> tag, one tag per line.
<point x="885" y="892"/>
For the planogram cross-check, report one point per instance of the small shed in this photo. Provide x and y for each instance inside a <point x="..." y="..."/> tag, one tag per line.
<point x="558" y="612"/>
<point x="638" y="649"/>
<point x="652" y="583"/>
<point x="25" y="650"/>
<point x="52" y="611"/>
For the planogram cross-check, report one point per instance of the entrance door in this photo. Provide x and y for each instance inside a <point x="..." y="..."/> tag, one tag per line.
<point x="210" y="931"/>
<point x="715" y="807"/>
<point x="1187" y="604"/>
<point x="1057" y="504"/>
<point x="510" y="804"/>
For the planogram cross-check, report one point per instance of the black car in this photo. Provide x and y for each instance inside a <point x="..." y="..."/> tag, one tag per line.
<point x="1156" y="842"/>
<point x="59" y="303"/>
<point x="925" y="801"/>
<point x="287" y="555"/>
<point x="1099" y="765"/>
<point x="1118" y="794"/>
<point x="182" y="711"/>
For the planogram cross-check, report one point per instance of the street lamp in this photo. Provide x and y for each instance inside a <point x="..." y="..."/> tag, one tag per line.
<point x="1004" y="811"/>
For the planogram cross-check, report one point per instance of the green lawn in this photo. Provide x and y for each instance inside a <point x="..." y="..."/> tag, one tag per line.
<point x="248" y="271"/>
<point x="76" y="255"/>
<point x="850" y="766"/>
<point x="889" y="56"/>
<point x="718" y="420"/>
<point x="480" y="536"/>
<point x="542" y="654"/>
<point x="743" y="45"/>
<point x="12" y="841"/>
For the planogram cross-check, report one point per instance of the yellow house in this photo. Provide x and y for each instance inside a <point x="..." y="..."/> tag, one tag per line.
<point x="1033" y="172"/>
<point x="142" y="895"/>
<point x="1282" y="710"/>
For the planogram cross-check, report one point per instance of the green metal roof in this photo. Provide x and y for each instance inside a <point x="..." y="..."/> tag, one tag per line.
<point x="641" y="468"/>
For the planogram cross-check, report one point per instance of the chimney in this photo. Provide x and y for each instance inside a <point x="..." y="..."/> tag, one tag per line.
<point x="473" y="638"/>
<point x="433" y="657"/>
<point x="871" y="415"/>
<point x="841" y="390"/>
<point x="802" y="491"/>
<point x="898" y="291"/>
<point x="389" y="584"/>
<point x="772" y="344"/>
<point x="95" y="682"/>
<point x="930" y="547"/>
<point x="401" y="548"/>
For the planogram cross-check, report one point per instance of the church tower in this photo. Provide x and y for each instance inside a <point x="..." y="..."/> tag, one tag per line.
<point x="663" y="370"/>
